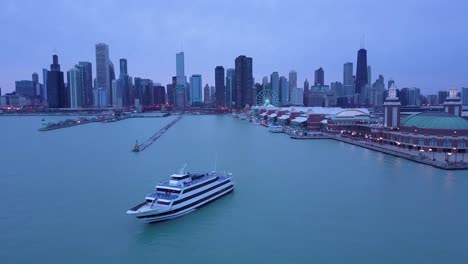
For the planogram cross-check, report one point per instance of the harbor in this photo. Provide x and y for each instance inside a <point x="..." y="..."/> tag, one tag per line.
<point x="93" y="167"/>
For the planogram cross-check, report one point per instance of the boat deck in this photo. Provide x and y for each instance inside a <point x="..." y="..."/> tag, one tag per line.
<point x="208" y="176"/>
<point x="170" y="197"/>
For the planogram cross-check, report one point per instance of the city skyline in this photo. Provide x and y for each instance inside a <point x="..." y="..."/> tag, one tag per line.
<point x="394" y="49"/>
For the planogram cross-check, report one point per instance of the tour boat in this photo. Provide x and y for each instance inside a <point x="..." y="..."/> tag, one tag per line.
<point x="182" y="194"/>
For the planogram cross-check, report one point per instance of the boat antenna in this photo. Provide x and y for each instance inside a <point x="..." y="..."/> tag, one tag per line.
<point x="182" y="168"/>
<point x="216" y="161"/>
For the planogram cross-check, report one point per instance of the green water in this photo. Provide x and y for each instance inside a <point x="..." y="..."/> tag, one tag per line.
<point x="64" y="193"/>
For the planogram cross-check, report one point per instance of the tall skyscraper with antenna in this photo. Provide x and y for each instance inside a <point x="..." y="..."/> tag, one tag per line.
<point x="361" y="73"/>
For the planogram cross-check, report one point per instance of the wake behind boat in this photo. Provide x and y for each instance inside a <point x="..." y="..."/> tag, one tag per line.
<point x="182" y="194"/>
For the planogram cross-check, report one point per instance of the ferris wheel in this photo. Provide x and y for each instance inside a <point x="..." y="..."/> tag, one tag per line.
<point x="266" y="97"/>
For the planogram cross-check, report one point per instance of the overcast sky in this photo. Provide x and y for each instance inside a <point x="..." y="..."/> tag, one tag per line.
<point x="420" y="43"/>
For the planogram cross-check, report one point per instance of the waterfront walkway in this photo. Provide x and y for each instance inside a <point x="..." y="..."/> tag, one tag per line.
<point x="156" y="136"/>
<point x="423" y="158"/>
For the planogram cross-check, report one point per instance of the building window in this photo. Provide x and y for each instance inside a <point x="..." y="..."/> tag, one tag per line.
<point x="421" y="142"/>
<point x="433" y="143"/>
<point x="461" y="144"/>
<point x="447" y="143"/>
<point x="410" y="141"/>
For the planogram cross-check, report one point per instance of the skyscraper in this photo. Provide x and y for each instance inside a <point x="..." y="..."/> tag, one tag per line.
<point x="45" y="73"/>
<point x="56" y="94"/>
<point x="305" y="93"/>
<point x="75" y="84"/>
<point x="180" y="93"/>
<point x="219" y="86"/>
<point x="117" y="94"/>
<point x="292" y="86"/>
<point x="464" y="95"/>
<point x="284" y="90"/>
<point x="361" y="74"/>
<point x="348" y="81"/>
<point x="125" y="83"/>
<point x="230" y="73"/>
<point x="243" y="82"/>
<point x="87" y="93"/>
<point x="319" y="77"/>
<point x="337" y="88"/>
<point x="103" y="74"/>
<point x="442" y="96"/>
<point x="159" y="95"/>
<point x="111" y="78"/>
<point x="123" y="66"/>
<point x="196" y="89"/>
<point x="206" y="94"/>
<point x="274" y="83"/>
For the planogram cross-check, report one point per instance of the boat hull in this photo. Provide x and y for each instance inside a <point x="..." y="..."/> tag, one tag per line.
<point x="157" y="216"/>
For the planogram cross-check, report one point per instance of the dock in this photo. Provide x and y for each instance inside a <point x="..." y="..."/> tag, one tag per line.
<point x="401" y="154"/>
<point x="156" y="136"/>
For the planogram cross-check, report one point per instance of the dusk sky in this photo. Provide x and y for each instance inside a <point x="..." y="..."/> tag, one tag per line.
<point x="420" y="43"/>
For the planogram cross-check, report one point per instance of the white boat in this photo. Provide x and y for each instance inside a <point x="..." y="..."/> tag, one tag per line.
<point x="182" y="194"/>
<point x="275" y="128"/>
<point x="243" y="117"/>
<point x="256" y="121"/>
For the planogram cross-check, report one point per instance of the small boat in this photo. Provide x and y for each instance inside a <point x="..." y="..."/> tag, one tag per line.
<point x="256" y="122"/>
<point x="274" y="128"/>
<point x="182" y="194"/>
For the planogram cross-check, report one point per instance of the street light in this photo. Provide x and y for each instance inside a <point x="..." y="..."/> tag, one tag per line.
<point x="430" y="150"/>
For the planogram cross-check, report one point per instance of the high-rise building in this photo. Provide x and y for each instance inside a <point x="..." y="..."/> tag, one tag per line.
<point x="319" y="77"/>
<point x="265" y="83"/>
<point x="196" y="89"/>
<point x="361" y="74"/>
<point x="44" y="81"/>
<point x="103" y="74"/>
<point x="126" y="83"/>
<point x="123" y="66"/>
<point x="117" y="94"/>
<point x="87" y="93"/>
<point x="442" y="96"/>
<point x="348" y="80"/>
<point x="274" y="83"/>
<point x="230" y="74"/>
<point x="220" y="87"/>
<point x="305" y="93"/>
<point x="206" y="94"/>
<point x="243" y="82"/>
<point x="159" y="95"/>
<point x="75" y="84"/>
<point x="56" y="94"/>
<point x="464" y="95"/>
<point x="284" y="90"/>
<point x="337" y="89"/>
<point x="111" y="78"/>
<point x="25" y="88"/>
<point x="292" y="86"/>
<point x="212" y="94"/>
<point x="181" y="83"/>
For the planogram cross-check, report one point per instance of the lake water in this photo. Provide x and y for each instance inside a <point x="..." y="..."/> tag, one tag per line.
<point x="64" y="193"/>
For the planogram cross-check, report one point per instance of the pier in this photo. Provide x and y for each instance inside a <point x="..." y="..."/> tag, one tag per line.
<point x="445" y="165"/>
<point x="156" y="136"/>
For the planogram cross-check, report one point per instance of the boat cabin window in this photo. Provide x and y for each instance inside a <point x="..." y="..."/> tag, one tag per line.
<point x="180" y="177"/>
<point x="163" y="202"/>
<point x="166" y="190"/>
